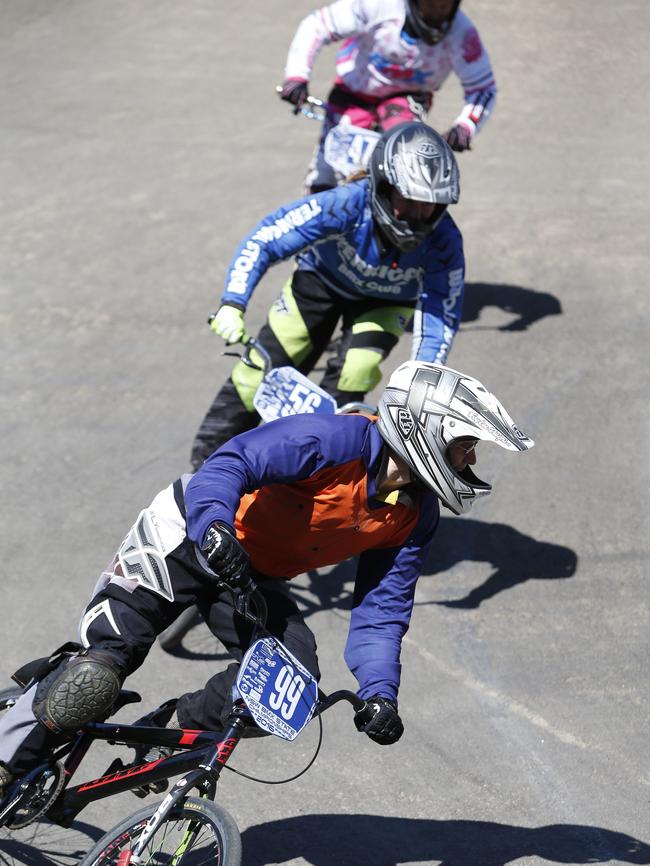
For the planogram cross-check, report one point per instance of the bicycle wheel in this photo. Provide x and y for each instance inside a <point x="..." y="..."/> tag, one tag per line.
<point x="174" y="634"/>
<point x="42" y="842"/>
<point x="203" y="834"/>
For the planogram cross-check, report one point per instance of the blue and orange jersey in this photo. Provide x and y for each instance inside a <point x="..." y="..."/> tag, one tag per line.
<point x="301" y="493"/>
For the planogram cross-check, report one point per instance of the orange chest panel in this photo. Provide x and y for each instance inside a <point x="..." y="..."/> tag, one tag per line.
<point x="291" y="528"/>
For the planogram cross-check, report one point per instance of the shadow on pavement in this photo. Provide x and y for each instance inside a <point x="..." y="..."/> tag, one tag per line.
<point x="46" y="844"/>
<point x="362" y="840"/>
<point x="527" y="305"/>
<point x="515" y="557"/>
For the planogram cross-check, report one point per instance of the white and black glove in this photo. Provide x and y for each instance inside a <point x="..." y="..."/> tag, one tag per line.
<point x="380" y="721"/>
<point x="226" y="557"/>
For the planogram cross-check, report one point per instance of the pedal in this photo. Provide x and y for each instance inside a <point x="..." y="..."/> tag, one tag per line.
<point x="151" y="788"/>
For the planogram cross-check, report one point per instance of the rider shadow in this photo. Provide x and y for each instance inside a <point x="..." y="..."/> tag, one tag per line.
<point x="356" y="840"/>
<point x="527" y="305"/>
<point x="514" y="556"/>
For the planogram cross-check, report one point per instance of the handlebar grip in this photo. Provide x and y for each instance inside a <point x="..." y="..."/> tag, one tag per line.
<point x="365" y="713"/>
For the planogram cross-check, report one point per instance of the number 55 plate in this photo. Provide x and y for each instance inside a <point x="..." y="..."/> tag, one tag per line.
<point x="279" y="692"/>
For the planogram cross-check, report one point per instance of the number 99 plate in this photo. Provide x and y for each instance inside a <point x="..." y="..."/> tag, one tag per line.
<point x="280" y="693"/>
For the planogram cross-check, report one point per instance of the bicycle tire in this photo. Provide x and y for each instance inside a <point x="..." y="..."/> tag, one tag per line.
<point x="41" y="841"/>
<point x="171" y="637"/>
<point x="226" y="851"/>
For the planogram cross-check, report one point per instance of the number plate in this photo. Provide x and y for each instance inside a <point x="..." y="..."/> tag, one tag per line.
<point x="279" y="692"/>
<point x="348" y="148"/>
<point x="284" y="391"/>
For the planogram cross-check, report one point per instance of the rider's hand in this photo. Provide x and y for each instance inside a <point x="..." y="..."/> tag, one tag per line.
<point x="226" y="557"/>
<point x="380" y="721"/>
<point x="228" y="323"/>
<point x="295" y="91"/>
<point x="459" y="138"/>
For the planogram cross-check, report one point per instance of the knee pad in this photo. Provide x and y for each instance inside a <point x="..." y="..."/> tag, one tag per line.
<point x="360" y="372"/>
<point x="79" y="690"/>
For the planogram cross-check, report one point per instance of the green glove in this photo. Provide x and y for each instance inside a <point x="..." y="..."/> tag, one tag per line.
<point x="228" y="323"/>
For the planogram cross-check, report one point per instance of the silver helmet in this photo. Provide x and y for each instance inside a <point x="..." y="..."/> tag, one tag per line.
<point x="429" y="33"/>
<point x="426" y="407"/>
<point x="413" y="159"/>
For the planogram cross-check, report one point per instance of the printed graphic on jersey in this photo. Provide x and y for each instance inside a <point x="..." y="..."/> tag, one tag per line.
<point x="377" y="278"/>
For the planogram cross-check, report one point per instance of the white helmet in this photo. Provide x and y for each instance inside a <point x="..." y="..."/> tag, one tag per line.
<point x="424" y="408"/>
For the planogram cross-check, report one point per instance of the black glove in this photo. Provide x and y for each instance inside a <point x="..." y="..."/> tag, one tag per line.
<point x="226" y="557"/>
<point x="458" y="138"/>
<point x="380" y="720"/>
<point x="294" y="90"/>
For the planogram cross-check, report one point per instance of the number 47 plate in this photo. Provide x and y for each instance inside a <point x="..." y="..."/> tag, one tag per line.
<point x="281" y="694"/>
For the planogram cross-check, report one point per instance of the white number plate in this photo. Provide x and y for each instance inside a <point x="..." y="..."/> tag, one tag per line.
<point x="284" y="391"/>
<point x="279" y="692"/>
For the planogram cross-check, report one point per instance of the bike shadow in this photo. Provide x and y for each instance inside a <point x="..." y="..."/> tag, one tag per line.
<point x="46" y="844"/>
<point x="526" y="305"/>
<point x="357" y="840"/>
<point x="515" y="557"/>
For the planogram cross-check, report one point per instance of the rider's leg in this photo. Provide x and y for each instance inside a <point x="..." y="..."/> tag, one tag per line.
<point x="209" y="707"/>
<point x="368" y="337"/>
<point x="299" y="326"/>
<point x="150" y="581"/>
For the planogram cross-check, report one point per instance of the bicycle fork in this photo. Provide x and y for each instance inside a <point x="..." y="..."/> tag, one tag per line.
<point x="204" y="778"/>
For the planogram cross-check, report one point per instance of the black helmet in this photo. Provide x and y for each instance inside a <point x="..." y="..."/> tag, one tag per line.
<point x="418" y="27"/>
<point x="413" y="159"/>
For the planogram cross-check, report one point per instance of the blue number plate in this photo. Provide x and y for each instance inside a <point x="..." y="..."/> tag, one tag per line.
<point x="280" y="693"/>
<point x="284" y="391"/>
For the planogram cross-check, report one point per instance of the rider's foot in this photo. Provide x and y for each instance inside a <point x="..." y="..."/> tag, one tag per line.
<point x="163" y="716"/>
<point x="6" y="779"/>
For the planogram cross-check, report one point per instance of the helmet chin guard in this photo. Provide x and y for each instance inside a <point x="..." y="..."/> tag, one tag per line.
<point x="426" y="407"/>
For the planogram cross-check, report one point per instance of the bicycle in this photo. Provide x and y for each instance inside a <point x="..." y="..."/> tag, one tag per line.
<point x="277" y="695"/>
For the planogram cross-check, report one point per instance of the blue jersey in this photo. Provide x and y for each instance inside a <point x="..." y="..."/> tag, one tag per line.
<point x="301" y="493"/>
<point x="333" y="234"/>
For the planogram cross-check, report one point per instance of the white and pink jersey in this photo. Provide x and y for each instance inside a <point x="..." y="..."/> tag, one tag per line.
<point x="378" y="59"/>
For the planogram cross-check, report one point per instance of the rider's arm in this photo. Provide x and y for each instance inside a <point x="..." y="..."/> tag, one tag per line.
<point x="287" y="450"/>
<point x="383" y="601"/>
<point x="472" y="65"/>
<point x="340" y="20"/>
<point x="439" y="309"/>
<point x="284" y="233"/>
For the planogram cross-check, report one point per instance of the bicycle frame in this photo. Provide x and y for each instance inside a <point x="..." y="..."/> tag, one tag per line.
<point x="206" y="750"/>
<point x="204" y="755"/>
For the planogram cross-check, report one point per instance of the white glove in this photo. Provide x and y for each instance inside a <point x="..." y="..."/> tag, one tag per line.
<point x="228" y="323"/>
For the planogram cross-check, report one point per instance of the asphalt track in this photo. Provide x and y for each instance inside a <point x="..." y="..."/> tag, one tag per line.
<point x="139" y="140"/>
